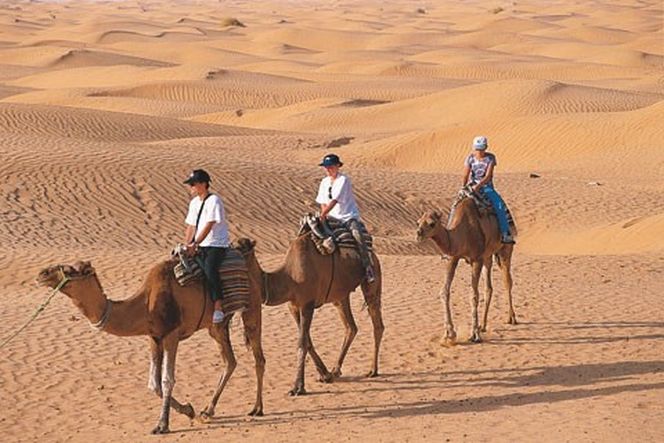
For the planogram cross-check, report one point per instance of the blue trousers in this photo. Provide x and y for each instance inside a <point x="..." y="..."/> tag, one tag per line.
<point x="499" y="206"/>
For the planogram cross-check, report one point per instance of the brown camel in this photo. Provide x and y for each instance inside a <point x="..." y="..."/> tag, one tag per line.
<point x="167" y="313"/>
<point x="475" y="238"/>
<point x="308" y="280"/>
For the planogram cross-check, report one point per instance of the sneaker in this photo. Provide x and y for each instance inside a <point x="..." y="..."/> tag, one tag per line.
<point x="369" y="274"/>
<point x="507" y="238"/>
<point x="217" y="317"/>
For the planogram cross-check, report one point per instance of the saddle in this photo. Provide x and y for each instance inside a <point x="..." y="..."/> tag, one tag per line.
<point x="330" y="234"/>
<point x="483" y="205"/>
<point x="233" y="275"/>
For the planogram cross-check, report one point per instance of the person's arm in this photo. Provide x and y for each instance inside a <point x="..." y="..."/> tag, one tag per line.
<point x="487" y="178"/>
<point x="325" y="209"/>
<point x="189" y="234"/>
<point x="204" y="232"/>
<point x="466" y="175"/>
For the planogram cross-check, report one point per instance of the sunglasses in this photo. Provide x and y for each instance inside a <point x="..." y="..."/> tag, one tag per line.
<point x="329" y="193"/>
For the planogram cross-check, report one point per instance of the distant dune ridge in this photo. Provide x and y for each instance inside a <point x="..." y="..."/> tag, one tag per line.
<point x="106" y="106"/>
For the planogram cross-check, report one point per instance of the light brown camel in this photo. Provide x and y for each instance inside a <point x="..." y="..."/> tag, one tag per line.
<point x="475" y="238"/>
<point x="167" y="313"/>
<point x="307" y="280"/>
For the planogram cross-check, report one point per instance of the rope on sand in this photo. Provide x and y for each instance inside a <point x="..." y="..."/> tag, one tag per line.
<point x="36" y="313"/>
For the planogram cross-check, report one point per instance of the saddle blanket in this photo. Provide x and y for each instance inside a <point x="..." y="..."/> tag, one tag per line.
<point x="335" y="232"/>
<point x="483" y="204"/>
<point x="233" y="275"/>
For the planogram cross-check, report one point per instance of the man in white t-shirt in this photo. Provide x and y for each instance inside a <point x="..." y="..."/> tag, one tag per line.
<point x="336" y="200"/>
<point x="206" y="234"/>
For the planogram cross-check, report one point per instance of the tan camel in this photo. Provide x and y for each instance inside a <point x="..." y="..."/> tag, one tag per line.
<point x="307" y="280"/>
<point x="475" y="238"/>
<point x="167" y="313"/>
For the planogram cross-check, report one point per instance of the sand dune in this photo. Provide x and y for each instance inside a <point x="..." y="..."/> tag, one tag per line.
<point x="105" y="106"/>
<point x="88" y="124"/>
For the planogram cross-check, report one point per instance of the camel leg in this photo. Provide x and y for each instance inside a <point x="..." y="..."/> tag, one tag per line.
<point x="222" y="336"/>
<point x="372" y="292"/>
<point x="156" y="360"/>
<point x="306" y="316"/>
<point x="506" y="267"/>
<point x="475" y="281"/>
<point x="252" y="331"/>
<point x="154" y="383"/>
<point x="325" y="376"/>
<point x="488" y="291"/>
<point x="351" y="331"/>
<point x="450" y="334"/>
<point x="170" y="345"/>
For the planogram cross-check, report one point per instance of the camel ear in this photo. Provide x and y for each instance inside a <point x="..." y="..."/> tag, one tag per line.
<point x="245" y="245"/>
<point x="84" y="268"/>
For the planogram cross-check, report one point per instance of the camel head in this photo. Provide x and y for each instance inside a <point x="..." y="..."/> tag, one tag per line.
<point x="79" y="274"/>
<point x="428" y="224"/>
<point x="245" y="246"/>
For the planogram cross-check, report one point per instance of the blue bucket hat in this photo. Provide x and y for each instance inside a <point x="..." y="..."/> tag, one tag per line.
<point x="331" y="160"/>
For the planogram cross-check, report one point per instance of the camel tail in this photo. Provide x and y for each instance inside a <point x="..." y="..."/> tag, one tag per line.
<point x="497" y="257"/>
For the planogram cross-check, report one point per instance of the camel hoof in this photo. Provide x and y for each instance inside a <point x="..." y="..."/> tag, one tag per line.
<point x="449" y="341"/>
<point x="475" y="339"/>
<point x="326" y="378"/>
<point x="256" y="412"/>
<point x="188" y="410"/>
<point x="512" y="321"/>
<point x="160" y="429"/>
<point x="336" y="372"/>
<point x="483" y="328"/>
<point x="297" y="391"/>
<point x="373" y="373"/>
<point x="205" y="416"/>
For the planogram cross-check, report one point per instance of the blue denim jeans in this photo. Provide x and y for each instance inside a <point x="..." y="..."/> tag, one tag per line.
<point x="499" y="206"/>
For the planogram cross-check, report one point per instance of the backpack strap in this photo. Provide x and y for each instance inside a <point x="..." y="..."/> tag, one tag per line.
<point x="200" y="212"/>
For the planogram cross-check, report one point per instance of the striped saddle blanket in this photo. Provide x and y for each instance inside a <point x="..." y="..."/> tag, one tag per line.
<point x="483" y="204"/>
<point x="329" y="234"/>
<point x="233" y="275"/>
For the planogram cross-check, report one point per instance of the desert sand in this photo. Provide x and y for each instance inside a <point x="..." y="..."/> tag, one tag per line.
<point x="106" y="106"/>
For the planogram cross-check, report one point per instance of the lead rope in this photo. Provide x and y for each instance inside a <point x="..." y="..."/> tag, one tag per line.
<point x="63" y="282"/>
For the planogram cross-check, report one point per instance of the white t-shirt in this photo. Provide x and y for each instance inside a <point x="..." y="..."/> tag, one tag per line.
<point x="341" y="191"/>
<point x="212" y="211"/>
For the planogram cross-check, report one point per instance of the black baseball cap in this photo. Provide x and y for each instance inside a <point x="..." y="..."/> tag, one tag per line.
<point x="331" y="160"/>
<point x="198" y="176"/>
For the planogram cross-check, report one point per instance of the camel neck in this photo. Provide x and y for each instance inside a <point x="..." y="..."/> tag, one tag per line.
<point x="122" y="318"/>
<point x="277" y="286"/>
<point x="443" y="240"/>
<point x="128" y="317"/>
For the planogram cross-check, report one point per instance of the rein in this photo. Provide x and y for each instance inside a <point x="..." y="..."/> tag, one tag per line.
<point x="60" y="285"/>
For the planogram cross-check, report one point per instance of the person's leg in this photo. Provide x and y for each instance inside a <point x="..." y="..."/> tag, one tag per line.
<point x="354" y="226"/>
<point x="499" y="206"/>
<point x="211" y="262"/>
